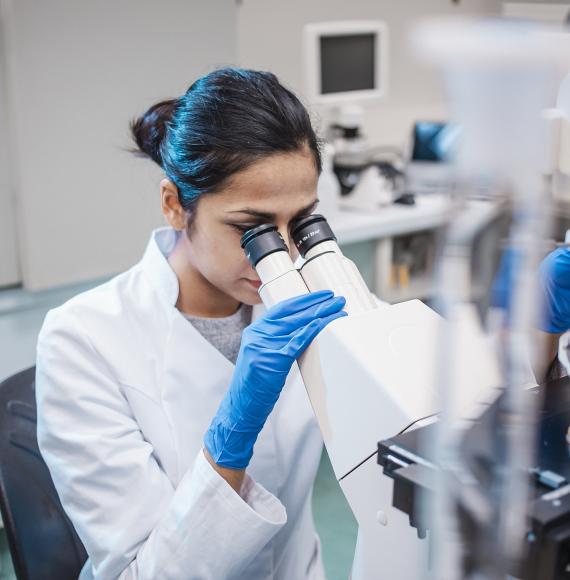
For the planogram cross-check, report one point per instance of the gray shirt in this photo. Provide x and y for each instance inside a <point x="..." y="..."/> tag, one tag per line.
<point x="224" y="333"/>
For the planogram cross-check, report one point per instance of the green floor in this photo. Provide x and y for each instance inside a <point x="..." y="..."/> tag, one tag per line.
<point x="6" y="570"/>
<point x="333" y="518"/>
<point x="335" y="523"/>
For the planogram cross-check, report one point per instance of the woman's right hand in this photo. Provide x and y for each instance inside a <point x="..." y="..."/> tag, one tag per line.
<point x="269" y="347"/>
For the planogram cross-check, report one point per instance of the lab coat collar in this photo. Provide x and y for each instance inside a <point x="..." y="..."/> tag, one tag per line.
<point x="195" y="375"/>
<point x="159" y="273"/>
<point x="155" y="265"/>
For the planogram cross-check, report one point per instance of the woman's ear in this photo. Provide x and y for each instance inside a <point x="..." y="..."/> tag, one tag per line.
<point x="172" y="210"/>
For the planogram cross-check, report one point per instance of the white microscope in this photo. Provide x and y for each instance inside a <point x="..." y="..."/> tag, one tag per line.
<point x="368" y="375"/>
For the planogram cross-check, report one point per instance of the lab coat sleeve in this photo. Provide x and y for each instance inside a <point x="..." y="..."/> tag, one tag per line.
<point x="133" y="523"/>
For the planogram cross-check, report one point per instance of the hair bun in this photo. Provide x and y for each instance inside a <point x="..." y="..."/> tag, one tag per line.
<point x="149" y="129"/>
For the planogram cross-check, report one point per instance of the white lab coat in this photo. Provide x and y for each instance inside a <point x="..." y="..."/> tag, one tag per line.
<point x="126" y="388"/>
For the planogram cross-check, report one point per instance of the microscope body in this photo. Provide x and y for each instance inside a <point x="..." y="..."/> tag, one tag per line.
<point x="362" y="383"/>
<point x="368" y="375"/>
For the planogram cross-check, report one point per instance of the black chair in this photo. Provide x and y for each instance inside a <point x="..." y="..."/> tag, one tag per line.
<point x="42" y="540"/>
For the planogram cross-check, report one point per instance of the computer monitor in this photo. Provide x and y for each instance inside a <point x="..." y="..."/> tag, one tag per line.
<point x="432" y="147"/>
<point x="434" y="141"/>
<point x="346" y="61"/>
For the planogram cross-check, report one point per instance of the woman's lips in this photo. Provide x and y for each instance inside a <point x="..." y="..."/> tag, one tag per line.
<point x="255" y="283"/>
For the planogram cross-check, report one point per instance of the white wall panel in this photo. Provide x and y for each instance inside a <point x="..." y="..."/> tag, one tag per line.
<point x="9" y="269"/>
<point x="270" y="37"/>
<point x="82" y="70"/>
<point x="555" y="12"/>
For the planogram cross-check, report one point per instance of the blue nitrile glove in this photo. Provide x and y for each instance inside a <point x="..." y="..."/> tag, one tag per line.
<point x="269" y="347"/>
<point x="554" y="285"/>
<point x="503" y="281"/>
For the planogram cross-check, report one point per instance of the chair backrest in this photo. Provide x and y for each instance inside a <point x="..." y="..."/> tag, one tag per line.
<point x="42" y="540"/>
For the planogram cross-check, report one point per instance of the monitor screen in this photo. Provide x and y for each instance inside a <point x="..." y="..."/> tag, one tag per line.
<point x="434" y="141"/>
<point x="347" y="63"/>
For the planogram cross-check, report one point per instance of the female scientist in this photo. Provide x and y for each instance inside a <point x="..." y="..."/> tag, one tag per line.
<point x="153" y="388"/>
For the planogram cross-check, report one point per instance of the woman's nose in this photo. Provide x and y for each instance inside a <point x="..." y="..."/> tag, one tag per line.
<point x="285" y="234"/>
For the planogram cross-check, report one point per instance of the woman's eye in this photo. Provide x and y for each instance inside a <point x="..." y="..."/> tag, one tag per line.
<point x="242" y="228"/>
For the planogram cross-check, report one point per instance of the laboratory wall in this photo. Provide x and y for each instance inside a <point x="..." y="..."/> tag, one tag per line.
<point x="75" y="204"/>
<point x="270" y="37"/>
<point x="545" y="10"/>
<point x="79" y="71"/>
<point x="9" y="269"/>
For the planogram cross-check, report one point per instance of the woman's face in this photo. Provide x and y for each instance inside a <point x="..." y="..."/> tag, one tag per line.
<point x="274" y="190"/>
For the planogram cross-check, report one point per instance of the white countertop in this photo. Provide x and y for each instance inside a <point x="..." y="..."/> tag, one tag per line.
<point x="353" y="225"/>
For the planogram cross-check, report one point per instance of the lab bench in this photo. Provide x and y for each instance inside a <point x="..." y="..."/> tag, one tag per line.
<point x="384" y="227"/>
<point x="390" y="227"/>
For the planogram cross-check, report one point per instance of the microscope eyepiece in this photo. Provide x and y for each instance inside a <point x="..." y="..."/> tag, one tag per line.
<point x="309" y="231"/>
<point x="261" y="241"/>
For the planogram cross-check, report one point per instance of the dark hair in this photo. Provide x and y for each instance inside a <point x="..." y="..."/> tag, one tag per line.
<point x="226" y="120"/>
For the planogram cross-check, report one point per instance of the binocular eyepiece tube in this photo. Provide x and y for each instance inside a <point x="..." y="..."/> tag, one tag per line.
<point x="268" y="254"/>
<point x="325" y="267"/>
